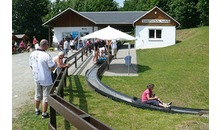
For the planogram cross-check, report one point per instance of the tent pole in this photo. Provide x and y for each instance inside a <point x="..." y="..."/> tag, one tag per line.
<point x="128" y="57"/>
<point x="49" y="35"/>
<point x="108" y="53"/>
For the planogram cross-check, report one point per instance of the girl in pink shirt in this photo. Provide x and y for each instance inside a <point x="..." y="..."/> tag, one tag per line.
<point x="148" y="98"/>
<point x="22" y="46"/>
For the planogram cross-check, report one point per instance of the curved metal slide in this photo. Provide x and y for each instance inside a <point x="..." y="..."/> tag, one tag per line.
<point x="94" y="82"/>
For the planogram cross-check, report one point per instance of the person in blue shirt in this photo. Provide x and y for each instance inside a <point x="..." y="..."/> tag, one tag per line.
<point x="80" y="44"/>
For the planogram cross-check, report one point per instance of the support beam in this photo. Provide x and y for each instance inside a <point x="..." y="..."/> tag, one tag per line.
<point x="49" y="35"/>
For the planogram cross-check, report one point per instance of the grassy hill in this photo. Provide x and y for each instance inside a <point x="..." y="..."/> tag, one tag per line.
<point x="180" y="74"/>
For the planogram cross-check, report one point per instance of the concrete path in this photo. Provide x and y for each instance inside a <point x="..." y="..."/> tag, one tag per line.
<point x="81" y="66"/>
<point x="118" y="68"/>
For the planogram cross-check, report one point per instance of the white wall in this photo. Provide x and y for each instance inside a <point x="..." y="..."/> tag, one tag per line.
<point x="142" y="35"/>
<point x="59" y="30"/>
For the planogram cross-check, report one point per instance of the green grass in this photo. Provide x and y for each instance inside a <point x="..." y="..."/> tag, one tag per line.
<point x="180" y="74"/>
<point x="122" y="116"/>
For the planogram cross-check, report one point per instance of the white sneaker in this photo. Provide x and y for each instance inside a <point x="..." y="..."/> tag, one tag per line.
<point x="45" y="116"/>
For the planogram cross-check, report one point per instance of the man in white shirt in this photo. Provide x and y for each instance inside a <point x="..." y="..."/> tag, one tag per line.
<point x="36" y="45"/>
<point x="65" y="46"/>
<point x="41" y="64"/>
<point x="114" y="48"/>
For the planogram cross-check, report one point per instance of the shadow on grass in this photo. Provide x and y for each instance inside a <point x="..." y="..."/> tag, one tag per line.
<point x="143" y="68"/>
<point x="177" y="41"/>
<point x="80" y="93"/>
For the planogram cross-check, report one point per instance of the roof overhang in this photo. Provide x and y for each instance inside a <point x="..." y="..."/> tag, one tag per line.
<point x="95" y="20"/>
<point x="161" y="11"/>
<point x="60" y="14"/>
<point x="19" y="36"/>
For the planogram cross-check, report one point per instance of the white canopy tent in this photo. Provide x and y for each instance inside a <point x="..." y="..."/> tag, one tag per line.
<point x="110" y="33"/>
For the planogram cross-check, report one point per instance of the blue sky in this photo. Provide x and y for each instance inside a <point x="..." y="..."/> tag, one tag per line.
<point x="121" y="2"/>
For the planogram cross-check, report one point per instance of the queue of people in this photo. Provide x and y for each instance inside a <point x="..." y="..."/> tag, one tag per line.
<point x="21" y="47"/>
<point x="100" y="48"/>
<point x="69" y="44"/>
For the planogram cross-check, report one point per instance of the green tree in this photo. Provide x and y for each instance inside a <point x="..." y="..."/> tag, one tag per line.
<point x="203" y="8"/>
<point x="78" y="5"/>
<point x="190" y="13"/>
<point x="130" y="5"/>
<point x="145" y="5"/>
<point x="100" y="5"/>
<point x="57" y="7"/>
<point x="185" y="12"/>
<point x="27" y="18"/>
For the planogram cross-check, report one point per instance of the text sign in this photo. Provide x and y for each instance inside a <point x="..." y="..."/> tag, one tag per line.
<point x="155" y="21"/>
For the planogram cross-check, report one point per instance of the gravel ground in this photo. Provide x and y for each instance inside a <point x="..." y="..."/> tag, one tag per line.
<point x="22" y="80"/>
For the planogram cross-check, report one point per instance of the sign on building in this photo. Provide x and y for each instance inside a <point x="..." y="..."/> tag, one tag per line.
<point x="155" y="20"/>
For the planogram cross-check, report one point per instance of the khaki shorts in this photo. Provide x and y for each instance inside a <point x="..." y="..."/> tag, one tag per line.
<point x="41" y="92"/>
<point x="114" y="51"/>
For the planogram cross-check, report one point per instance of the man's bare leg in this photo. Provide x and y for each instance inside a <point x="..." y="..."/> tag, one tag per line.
<point x="45" y="105"/>
<point x="44" y="111"/>
<point x="37" y="104"/>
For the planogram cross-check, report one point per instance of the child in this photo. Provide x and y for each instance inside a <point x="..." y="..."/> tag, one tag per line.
<point x="148" y="99"/>
<point x="102" y="57"/>
<point x="102" y="54"/>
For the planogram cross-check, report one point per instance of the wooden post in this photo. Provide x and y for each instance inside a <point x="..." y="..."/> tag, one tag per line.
<point x="82" y="55"/>
<point x="49" y="35"/>
<point x="75" y="62"/>
<point x="53" y="117"/>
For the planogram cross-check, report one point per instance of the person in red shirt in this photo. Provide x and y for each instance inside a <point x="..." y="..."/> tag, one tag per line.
<point x="34" y="41"/>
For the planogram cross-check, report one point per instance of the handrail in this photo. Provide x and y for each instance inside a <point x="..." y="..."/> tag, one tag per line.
<point x="77" y="117"/>
<point x="74" y="56"/>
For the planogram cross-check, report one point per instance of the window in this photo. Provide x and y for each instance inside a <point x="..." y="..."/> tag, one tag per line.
<point x="66" y="34"/>
<point x="158" y="33"/>
<point x="82" y="34"/>
<point x="151" y="33"/>
<point x="155" y="34"/>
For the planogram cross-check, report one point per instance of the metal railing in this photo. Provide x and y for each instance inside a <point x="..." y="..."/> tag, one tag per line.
<point x="78" y="118"/>
<point x="83" y="51"/>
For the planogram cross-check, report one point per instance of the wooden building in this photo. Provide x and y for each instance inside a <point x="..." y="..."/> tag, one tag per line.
<point x="153" y="28"/>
